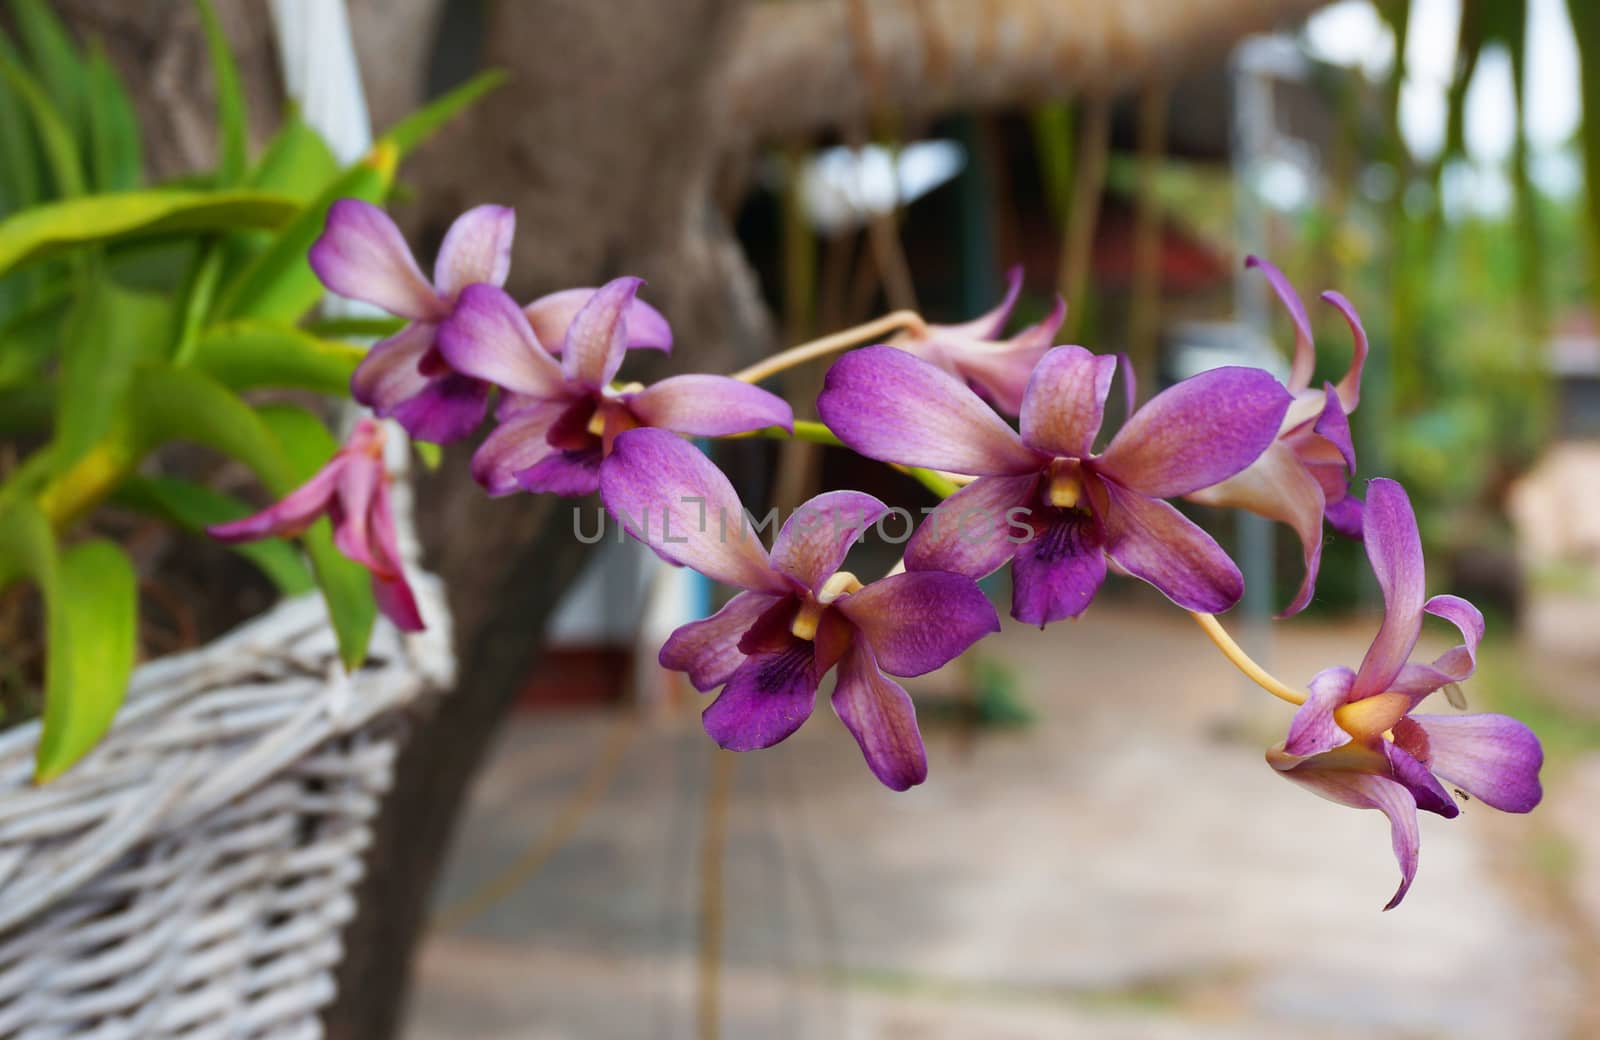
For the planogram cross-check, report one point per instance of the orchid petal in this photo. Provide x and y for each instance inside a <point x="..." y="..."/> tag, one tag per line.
<point x="291" y="515"/>
<point x="977" y="529"/>
<point x="1304" y="353"/>
<point x="397" y="602"/>
<point x="766" y="698"/>
<point x="598" y="336"/>
<point x="447" y="409"/>
<point x="893" y="407"/>
<point x="879" y="714"/>
<point x="1313" y="730"/>
<point x="488" y="338"/>
<point x="477" y="248"/>
<point x="999" y="372"/>
<point x="513" y="446"/>
<point x="1367" y="791"/>
<point x="1350" y="386"/>
<point x="1395" y="549"/>
<point x="1459" y="662"/>
<point x="359" y="481"/>
<point x="1198" y="433"/>
<point x="1153" y="541"/>
<point x="1057" y="572"/>
<point x="986" y="326"/>
<point x="817" y="536"/>
<point x="570" y="474"/>
<point x="1065" y="401"/>
<point x="1346" y="516"/>
<point x="1425" y="788"/>
<point x="1333" y="425"/>
<point x="709" y="406"/>
<point x="920" y="620"/>
<point x="389" y="375"/>
<point x="708" y="650"/>
<point x="1493" y="758"/>
<point x="552" y="315"/>
<point x="1278" y="487"/>
<point x="362" y="255"/>
<point x="668" y="495"/>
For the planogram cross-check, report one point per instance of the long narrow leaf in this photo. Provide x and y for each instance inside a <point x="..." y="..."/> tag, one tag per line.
<point x="426" y="121"/>
<point x="55" y="132"/>
<point x="250" y="353"/>
<point x="55" y="60"/>
<point x="233" y="131"/>
<point x="116" y="156"/>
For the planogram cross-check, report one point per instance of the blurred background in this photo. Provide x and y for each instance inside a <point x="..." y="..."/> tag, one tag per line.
<point x="1100" y="850"/>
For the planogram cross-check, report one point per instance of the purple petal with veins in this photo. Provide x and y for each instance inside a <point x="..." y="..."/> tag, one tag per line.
<point x="1151" y="540"/>
<point x="709" y="406"/>
<point x="362" y="255"/>
<point x="1056" y="574"/>
<point x="890" y="406"/>
<point x="389" y="374"/>
<point x="598" y="336"/>
<point x="1493" y="758"/>
<point x="447" y="409"/>
<point x="477" y="248"/>
<point x="488" y="338"/>
<point x="817" y="536"/>
<point x="516" y="444"/>
<point x="1064" y="405"/>
<point x="1394" y="548"/>
<point x="1304" y="356"/>
<point x="1350" y="386"/>
<point x="552" y="315"/>
<point x="766" y="699"/>
<point x="977" y="529"/>
<point x="708" y="650"/>
<point x="880" y="715"/>
<point x="1197" y="433"/>
<point x="921" y="620"/>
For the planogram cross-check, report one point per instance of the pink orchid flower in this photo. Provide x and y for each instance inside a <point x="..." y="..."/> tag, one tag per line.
<point x="1305" y="473"/>
<point x="353" y="491"/>
<point x="798" y="615"/>
<point x="361" y="254"/>
<point x="973" y="351"/>
<point x="559" y="421"/>
<point x="1355" y="741"/>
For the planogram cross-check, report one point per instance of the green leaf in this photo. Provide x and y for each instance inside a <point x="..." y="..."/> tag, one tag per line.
<point x="195" y="507"/>
<point x="432" y="455"/>
<point x="426" y="121"/>
<point x="110" y="331"/>
<point x="252" y="353"/>
<point x="60" y="148"/>
<point x="59" y="226"/>
<point x="233" y="131"/>
<point x="115" y="152"/>
<point x="279" y="283"/>
<point x="92" y="642"/>
<point x="297" y="162"/>
<point x="54" y="57"/>
<point x="346" y="585"/>
<point x="19" y="159"/>
<point x="28" y="339"/>
<point x="166" y="403"/>
<point x="356" y="328"/>
<point x="91" y="605"/>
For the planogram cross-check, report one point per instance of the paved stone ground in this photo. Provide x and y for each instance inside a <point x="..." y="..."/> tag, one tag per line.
<point x="1127" y="867"/>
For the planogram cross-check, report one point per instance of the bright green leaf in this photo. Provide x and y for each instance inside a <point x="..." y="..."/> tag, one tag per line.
<point x="279" y="283"/>
<point x="195" y="507"/>
<point x="181" y="404"/>
<point x="110" y="332"/>
<point x="93" y="638"/>
<point x="54" y="58"/>
<point x="55" y="227"/>
<point x="252" y="353"/>
<point x="19" y="159"/>
<point x="233" y="131"/>
<point x="431" y="454"/>
<point x="297" y="162"/>
<point x="356" y="328"/>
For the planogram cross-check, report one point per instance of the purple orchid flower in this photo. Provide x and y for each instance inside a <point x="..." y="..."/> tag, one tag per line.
<point x="799" y="615"/>
<point x="1305" y="473"/>
<point x="1044" y="499"/>
<point x="353" y="491"/>
<point x="361" y="254"/>
<point x="1356" y="741"/>
<point x="973" y="351"/>
<point x="559" y="421"/>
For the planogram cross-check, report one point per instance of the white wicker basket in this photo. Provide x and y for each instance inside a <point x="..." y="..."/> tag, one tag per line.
<point x="191" y="876"/>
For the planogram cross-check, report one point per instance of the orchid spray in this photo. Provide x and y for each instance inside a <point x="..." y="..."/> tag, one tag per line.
<point x="1053" y="497"/>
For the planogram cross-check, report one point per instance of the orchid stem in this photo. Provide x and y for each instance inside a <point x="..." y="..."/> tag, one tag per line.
<point x="1241" y="660"/>
<point x="830" y="344"/>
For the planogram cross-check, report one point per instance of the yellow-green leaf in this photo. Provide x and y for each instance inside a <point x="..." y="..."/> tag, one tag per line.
<point x="253" y="353"/>
<point x="232" y="125"/>
<point x="55" y="227"/>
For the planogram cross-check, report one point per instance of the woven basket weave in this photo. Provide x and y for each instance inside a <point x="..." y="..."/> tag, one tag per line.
<point x="191" y="876"/>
